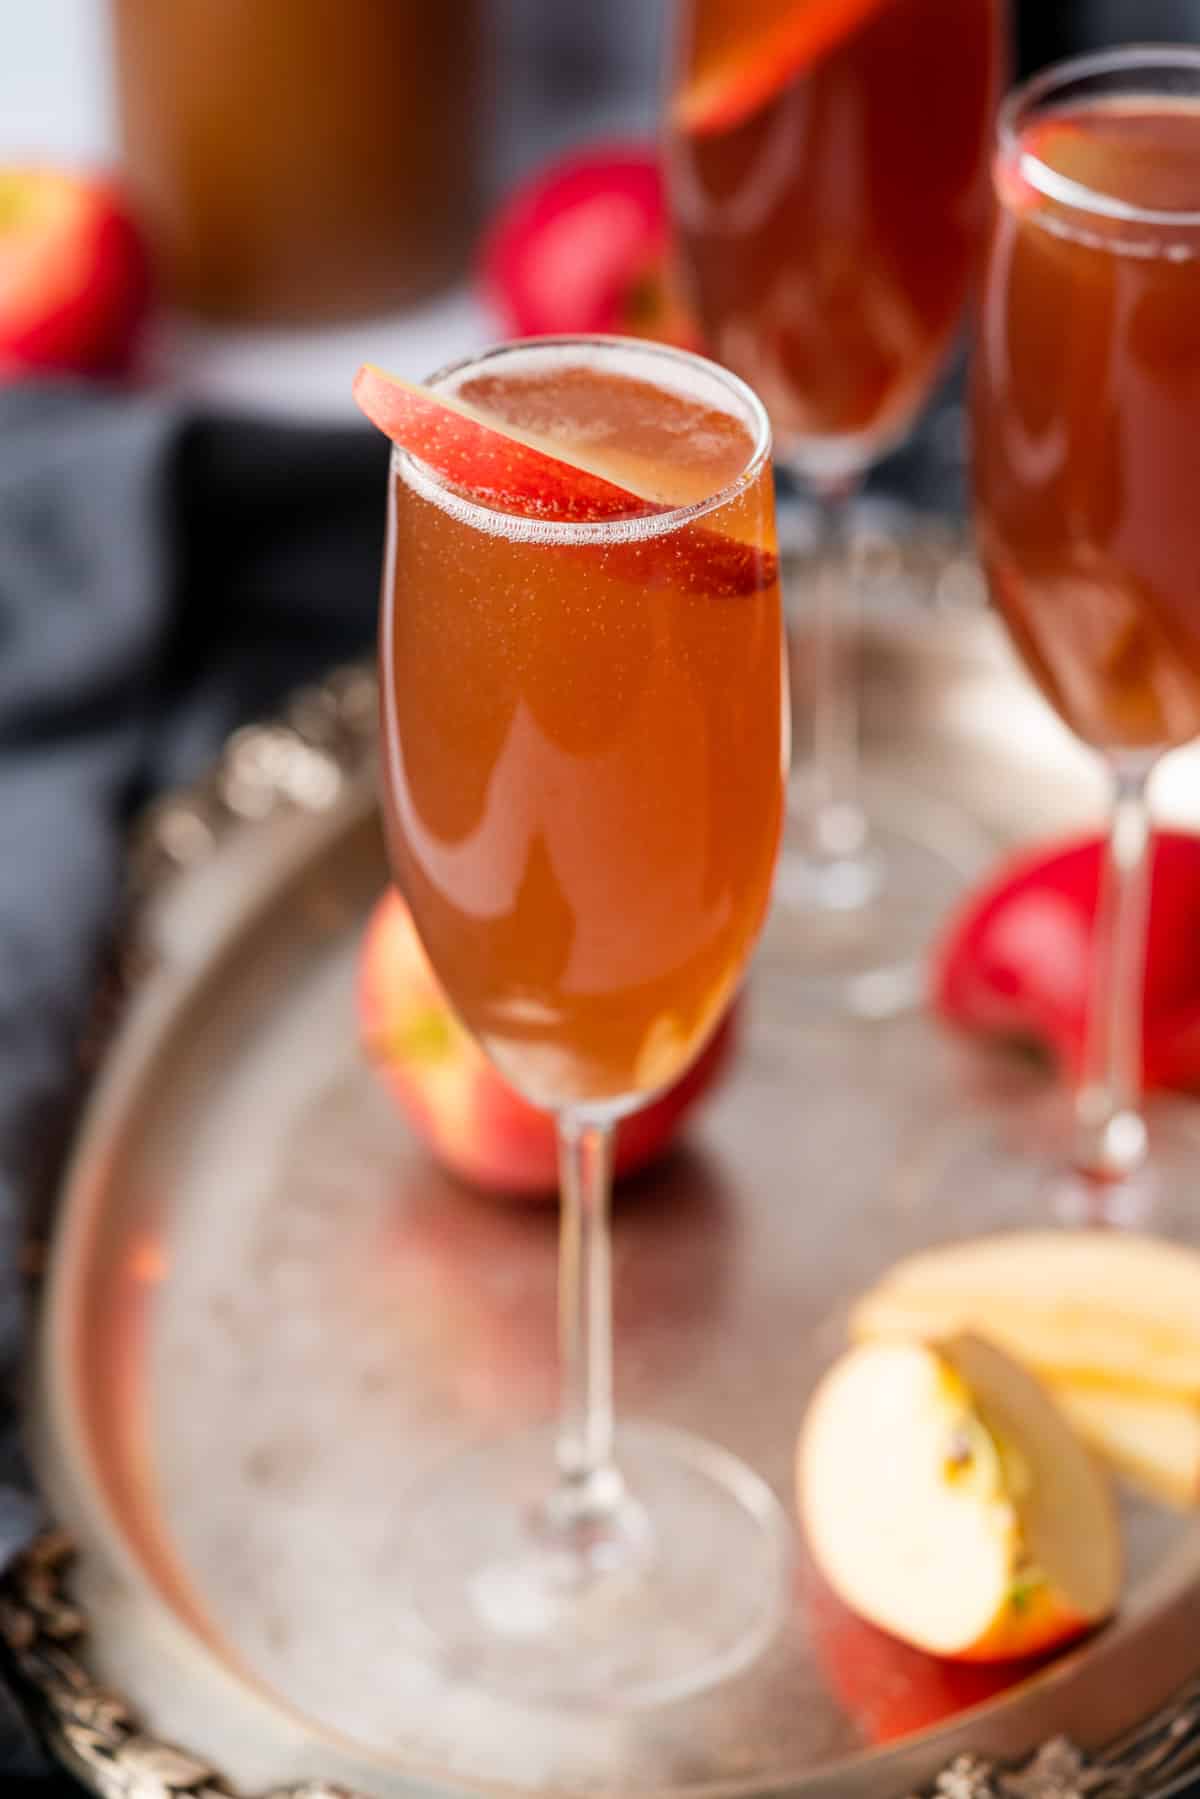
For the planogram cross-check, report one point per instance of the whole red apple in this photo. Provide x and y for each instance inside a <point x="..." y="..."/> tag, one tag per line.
<point x="74" y="284"/>
<point x="474" y="1123"/>
<point x="583" y="245"/>
<point x="1014" y="963"/>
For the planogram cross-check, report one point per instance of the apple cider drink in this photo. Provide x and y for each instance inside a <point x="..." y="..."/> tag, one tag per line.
<point x="1086" y="406"/>
<point x="1087" y="399"/>
<point x="829" y="171"/>
<point x="583" y="769"/>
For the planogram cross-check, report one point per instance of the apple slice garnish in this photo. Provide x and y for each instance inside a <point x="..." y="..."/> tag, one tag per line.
<point x="740" y="77"/>
<point x="498" y="468"/>
<point x="947" y="1500"/>
<point x="515" y="473"/>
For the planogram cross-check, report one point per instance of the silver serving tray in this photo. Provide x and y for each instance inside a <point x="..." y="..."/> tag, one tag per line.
<point x="266" y="1311"/>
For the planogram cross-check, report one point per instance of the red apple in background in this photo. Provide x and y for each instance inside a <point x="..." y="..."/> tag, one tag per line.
<point x="474" y="1123"/>
<point x="1014" y="963"/>
<point x="74" y="285"/>
<point x="583" y="246"/>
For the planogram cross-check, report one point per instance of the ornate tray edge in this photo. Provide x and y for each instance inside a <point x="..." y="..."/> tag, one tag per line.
<point x="304" y="760"/>
<point x="98" y="1737"/>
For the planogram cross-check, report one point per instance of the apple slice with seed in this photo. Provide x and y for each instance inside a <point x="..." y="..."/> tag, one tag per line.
<point x="738" y="77"/>
<point x="516" y="473"/>
<point x="947" y="1500"/>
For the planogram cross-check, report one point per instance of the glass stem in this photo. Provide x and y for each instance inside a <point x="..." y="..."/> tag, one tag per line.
<point x="837" y="825"/>
<point x="589" y="1484"/>
<point x="1110" y="1129"/>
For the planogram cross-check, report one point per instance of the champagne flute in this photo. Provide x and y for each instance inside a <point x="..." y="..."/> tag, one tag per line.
<point x="1086" y="403"/>
<point x="828" y="172"/>
<point x="583" y="730"/>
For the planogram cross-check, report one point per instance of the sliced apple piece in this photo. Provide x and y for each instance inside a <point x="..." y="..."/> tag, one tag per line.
<point x="742" y="74"/>
<point x="947" y="1500"/>
<point x="500" y="468"/>
<point x="516" y="473"/>
<point x="1152" y="1439"/>
<point x="1101" y="1307"/>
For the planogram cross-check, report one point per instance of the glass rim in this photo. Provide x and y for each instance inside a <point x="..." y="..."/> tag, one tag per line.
<point x="1032" y="94"/>
<point x="522" y="528"/>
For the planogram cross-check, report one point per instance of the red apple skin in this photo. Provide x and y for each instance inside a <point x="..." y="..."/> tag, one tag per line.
<point x="583" y="246"/>
<point x="499" y="469"/>
<point x="74" y="275"/>
<point x="887" y="1688"/>
<point x="474" y="1123"/>
<point x="1013" y="963"/>
<point x="514" y="476"/>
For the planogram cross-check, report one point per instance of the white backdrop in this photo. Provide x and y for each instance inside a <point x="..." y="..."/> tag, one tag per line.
<point x="54" y="91"/>
<point x="562" y="76"/>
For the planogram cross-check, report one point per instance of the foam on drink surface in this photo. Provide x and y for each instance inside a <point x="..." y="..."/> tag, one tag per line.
<point x="1118" y="175"/>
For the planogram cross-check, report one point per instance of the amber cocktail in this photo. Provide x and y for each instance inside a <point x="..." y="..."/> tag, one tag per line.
<point x="583" y="779"/>
<point x="1086" y="425"/>
<point x="830" y="199"/>
<point x="583" y="731"/>
<point x="828" y="163"/>
<point x="1087" y="412"/>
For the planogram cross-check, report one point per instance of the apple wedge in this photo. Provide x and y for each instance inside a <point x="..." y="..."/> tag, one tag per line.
<point x="1152" y="1439"/>
<point x="1097" y="1307"/>
<point x="516" y="473"/>
<point x="501" y="469"/>
<point x="947" y="1500"/>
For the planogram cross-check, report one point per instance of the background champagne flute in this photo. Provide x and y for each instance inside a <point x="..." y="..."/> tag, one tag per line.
<point x="828" y="171"/>
<point x="1087" y="415"/>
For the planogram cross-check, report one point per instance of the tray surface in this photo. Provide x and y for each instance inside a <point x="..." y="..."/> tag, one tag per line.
<point x="268" y="1312"/>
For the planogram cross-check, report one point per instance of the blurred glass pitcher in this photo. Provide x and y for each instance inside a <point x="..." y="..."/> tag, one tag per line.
<point x="301" y="160"/>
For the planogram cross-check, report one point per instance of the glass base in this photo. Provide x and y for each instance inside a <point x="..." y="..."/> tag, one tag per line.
<point x="856" y="928"/>
<point x="1020" y="1160"/>
<point x="678" y="1579"/>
